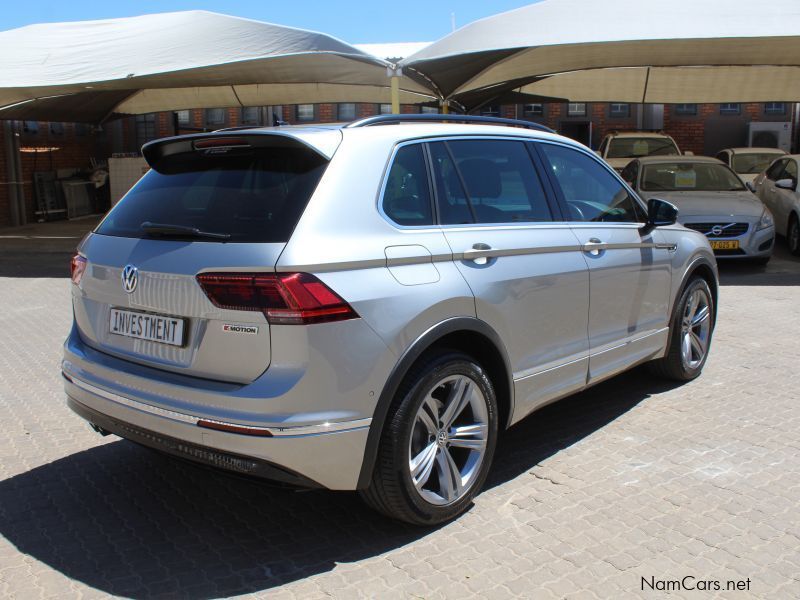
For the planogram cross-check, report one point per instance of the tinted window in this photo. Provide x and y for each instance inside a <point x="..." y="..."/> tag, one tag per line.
<point x="790" y="172"/>
<point x="494" y="182"/>
<point x="257" y="196"/>
<point x="630" y="172"/>
<point x="406" y="197"/>
<point x="590" y="191"/>
<point x="688" y="176"/>
<point x="776" y="169"/>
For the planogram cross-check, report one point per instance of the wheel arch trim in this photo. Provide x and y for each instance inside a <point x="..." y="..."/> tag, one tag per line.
<point x="401" y="368"/>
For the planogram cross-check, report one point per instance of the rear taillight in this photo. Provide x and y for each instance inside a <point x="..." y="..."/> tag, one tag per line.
<point x="76" y="268"/>
<point x="285" y="298"/>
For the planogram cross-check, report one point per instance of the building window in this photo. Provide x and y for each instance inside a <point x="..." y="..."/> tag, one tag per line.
<point x="145" y="128"/>
<point x="533" y="110"/>
<point x="304" y="112"/>
<point x="56" y="128"/>
<point x="729" y="109"/>
<point x="430" y="110"/>
<point x="385" y="109"/>
<point x="184" y="117"/>
<point x="251" y="115"/>
<point x="619" y="110"/>
<point x="30" y="126"/>
<point x="215" y="116"/>
<point x="82" y="129"/>
<point x="775" y="108"/>
<point x="346" y="111"/>
<point x="576" y="109"/>
<point x="686" y="110"/>
<point x="492" y="110"/>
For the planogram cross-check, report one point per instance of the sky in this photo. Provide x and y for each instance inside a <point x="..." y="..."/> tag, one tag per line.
<point x="356" y="22"/>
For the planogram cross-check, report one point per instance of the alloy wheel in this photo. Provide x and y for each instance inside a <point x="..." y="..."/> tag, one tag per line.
<point x="695" y="329"/>
<point x="448" y="440"/>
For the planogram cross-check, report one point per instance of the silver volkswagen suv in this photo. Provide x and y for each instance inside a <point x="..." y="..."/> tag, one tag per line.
<point x="368" y="307"/>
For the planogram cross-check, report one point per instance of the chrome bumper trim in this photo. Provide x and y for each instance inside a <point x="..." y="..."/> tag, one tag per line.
<point x="275" y="431"/>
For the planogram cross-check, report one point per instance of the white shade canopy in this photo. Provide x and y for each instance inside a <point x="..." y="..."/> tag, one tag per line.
<point x="697" y="51"/>
<point x="87" y="71"/>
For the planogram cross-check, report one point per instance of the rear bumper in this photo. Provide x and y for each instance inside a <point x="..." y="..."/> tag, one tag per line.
<point x="308" y="424"/>
<point x="309" y="459"/>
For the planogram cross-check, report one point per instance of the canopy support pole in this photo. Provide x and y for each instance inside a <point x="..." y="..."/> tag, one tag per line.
<point x="395" y="73"/>
<point x="445" y="105"/>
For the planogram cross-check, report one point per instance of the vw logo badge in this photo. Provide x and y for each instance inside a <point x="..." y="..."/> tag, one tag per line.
<point x="716" y="230"/>
<point x="130" y="277"/>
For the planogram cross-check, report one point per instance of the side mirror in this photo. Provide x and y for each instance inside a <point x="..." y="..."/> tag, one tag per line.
<point x="785" y="184"/>
<point x="749" y="185"/>
<point x="660" y="213"/>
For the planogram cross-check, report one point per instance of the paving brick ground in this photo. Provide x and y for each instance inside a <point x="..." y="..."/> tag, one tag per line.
<point x="632" y="479"/>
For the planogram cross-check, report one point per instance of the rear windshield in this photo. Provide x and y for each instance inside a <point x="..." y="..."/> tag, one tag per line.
<point x="255" y="196"/>
<point x="629" y="147"/>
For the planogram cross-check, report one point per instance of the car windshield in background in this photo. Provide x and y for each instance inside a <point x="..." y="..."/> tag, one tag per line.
<point x="686" y="177"/>
<point x="257" y="196"/>
<point x="625" y="147"/>
<point x="753" y="163"/>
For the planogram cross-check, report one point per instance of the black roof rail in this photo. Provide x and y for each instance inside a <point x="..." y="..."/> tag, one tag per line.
<point x="437" y="118"/>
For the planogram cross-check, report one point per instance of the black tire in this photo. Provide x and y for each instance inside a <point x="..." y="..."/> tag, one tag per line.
<point x="793" y="236"/>
<point x="672" y="366"/>
<point x="391" y="490"/>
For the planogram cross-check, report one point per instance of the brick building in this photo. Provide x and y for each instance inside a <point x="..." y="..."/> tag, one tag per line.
<point x="64" y="147"/>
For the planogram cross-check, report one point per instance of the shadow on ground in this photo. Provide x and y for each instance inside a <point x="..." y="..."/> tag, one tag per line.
<point x="783" y="269"/>
<point x="129" y="522"/>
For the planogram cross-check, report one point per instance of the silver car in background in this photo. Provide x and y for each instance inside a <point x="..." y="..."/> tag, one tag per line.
<point x="711" y="199"/>
<point x="368" y="307"/>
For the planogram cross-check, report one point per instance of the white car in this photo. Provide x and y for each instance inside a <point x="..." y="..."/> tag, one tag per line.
<point x="777" y="188"/>
<point x="747" y="163"/>
<point x="620" y="148"/>
<point x="711" y="199"/>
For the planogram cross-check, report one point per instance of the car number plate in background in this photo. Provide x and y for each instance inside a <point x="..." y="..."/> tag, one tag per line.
<point x="144" y="326"/>
<point x="728" y="245"/>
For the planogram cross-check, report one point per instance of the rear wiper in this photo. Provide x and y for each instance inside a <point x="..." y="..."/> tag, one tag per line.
<point x="182" y="230"/>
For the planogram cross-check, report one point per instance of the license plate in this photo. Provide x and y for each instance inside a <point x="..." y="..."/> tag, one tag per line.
<point x="725" y="245"/>
<point x="146" y="326"/>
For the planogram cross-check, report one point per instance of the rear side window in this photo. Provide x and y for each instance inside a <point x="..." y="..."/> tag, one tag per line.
<point x="487" y="181"/>
<point x="253" y="196"/>
<point x="407" y="196"/>
<point x="590" y="191"/>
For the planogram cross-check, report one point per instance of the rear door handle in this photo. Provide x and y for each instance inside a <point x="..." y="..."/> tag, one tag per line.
<point x="594" y="246"/>
<point x="479" y="253"/>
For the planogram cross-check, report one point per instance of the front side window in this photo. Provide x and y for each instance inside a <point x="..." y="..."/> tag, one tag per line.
<point x="776" y="169"/>
<point x="790" y="172"/>
<point x="689" y="177"/>
<point x="488" y="181"/>
<point x="590" y="191"/>
<point x="407" y="195"/>
<point x="751" y="163"/>
<point x="630" y="173"/>
<point x="631" y="147"/>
